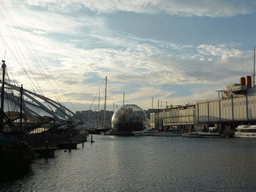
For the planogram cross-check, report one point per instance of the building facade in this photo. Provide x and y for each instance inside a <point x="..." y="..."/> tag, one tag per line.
<point x="236" y="106"/>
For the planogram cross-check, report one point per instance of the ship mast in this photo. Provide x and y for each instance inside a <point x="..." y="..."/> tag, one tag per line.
<point x="105" y="104"/>
<point x="2" y="98"/>
<point x="21" y="95"/>
<point x="254" y="69"/>
<point x="123" y="98"/>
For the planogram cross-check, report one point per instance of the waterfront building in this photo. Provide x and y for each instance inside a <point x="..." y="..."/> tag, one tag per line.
<point x="234" y="106"/>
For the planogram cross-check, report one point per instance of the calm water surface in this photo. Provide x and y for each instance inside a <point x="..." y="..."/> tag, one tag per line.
<point x="115" y="163"/>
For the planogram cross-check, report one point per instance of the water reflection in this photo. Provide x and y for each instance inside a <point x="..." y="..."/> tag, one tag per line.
<point x="146" y="164"/>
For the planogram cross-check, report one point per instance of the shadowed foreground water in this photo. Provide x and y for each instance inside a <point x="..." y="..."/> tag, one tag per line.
<point x="115" y="163"/>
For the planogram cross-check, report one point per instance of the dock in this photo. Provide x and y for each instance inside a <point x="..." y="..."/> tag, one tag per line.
<point x="45" y="152"/>
<point x="50" y="151"/>
<point x="68" y="145"/>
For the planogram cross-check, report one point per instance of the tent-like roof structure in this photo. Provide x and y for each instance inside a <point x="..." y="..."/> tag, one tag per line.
<point x="36" y="109"/>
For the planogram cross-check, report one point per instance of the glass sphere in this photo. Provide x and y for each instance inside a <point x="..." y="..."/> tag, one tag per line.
<point x="129" y="118"/>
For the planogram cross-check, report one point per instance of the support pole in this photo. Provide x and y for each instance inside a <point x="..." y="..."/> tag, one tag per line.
<point x="254" y="68"/>
<point x="21" y="95"/>
<point x="2" y="98"/>
<point x="158" y="115"/>
<point x="123" y="98"/>
<point x="152" y="104"/>
<point x="105" y="104"/>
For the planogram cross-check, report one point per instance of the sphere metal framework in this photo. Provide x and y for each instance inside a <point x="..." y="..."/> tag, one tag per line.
<point x="129" y="118"/>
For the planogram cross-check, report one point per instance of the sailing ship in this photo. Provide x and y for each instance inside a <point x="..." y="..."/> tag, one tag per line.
<point x="100" y="124"/>
<point x="15" y="153"/>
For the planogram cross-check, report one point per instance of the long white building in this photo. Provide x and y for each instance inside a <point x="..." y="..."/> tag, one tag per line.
<point x="235" y="105"/>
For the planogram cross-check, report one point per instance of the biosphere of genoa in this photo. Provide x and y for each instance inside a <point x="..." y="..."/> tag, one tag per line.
<point x="129" y="118"/>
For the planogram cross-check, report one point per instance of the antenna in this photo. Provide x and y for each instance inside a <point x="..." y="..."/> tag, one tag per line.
<point x="123" y="98"/>
<point x="105" y="105"/>
<point x="254" y="68"/>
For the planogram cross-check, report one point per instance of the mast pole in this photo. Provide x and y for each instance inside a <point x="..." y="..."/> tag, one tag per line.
<point x="2" y="97"/>
<point x="123" y="98"/>
<point x="105" y="104"/>
<point x="21" y="95"/>
<point x="254" y="68"/>
<point x="158" y="115"/>
<point x="99" y="124"/>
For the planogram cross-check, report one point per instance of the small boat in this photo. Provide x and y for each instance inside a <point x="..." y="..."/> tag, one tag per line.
<point x="145" y="132"/>
<point x="193" y="134"/>
<point x="245" y="131"/>
<point x="155" y="132"/>
<point x="210" y="133"/>
<point x="169" y="133"/>
<point x="206" y="133"/>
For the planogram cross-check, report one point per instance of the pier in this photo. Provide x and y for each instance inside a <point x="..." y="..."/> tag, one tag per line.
<point x="45" y="152"/>
<point x="67" y="145"/>
<point x="46" y="145"/>
<point x="49" y="151"/>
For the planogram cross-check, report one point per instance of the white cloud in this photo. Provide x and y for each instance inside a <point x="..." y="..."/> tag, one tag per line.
<point x="213" y="8"/>
<point x="221" y="51"/>
<point x="39" y="32"/>
<point x="134" y="65"/>
<point x="46" y="21"/>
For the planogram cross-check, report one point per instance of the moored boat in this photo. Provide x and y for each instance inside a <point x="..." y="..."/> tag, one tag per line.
<point x="193" y="134"/>
<point x="145" y="132"/>
<point x="206" y="133"/>
<point x="245" y="131"/>
<point x="155" y="132"/>
<point x="210" y="134"/>
<point x="169" y="133"/>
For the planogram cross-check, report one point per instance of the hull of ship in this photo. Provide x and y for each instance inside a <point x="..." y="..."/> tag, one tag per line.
<point x="193" y="135"/>
<point x="155" y="133"/>
<point x="210" y="135"/>
<point x="246" y="135"/>
<point x="166" y="134"/>
<point x="213" y="135"/>
<point x="205" y="134"/>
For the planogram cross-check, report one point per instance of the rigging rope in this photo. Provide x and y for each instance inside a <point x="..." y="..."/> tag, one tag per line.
<point x="96" y="95"/>
<point x="32" y="54"/>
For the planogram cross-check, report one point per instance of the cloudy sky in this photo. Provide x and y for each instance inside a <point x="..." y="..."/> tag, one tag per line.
<point x="174" y="51"/>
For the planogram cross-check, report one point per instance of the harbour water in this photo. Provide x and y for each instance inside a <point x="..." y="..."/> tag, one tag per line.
<point x="115" y="163"/>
